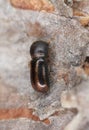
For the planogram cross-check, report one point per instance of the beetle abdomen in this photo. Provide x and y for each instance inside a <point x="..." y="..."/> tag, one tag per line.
<point x="39" y="75"/>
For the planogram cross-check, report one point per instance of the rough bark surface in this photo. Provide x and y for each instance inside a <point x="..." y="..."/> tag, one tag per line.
<point x="64" y="24"/>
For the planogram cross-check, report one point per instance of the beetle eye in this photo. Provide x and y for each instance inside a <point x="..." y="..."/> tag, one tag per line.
<point x="41" y="52"/>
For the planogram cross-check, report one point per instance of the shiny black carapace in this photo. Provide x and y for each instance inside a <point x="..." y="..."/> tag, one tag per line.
<point x="39" y="66"/>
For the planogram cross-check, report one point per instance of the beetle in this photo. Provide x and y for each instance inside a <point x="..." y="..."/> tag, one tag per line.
<point x="39" y="74"/>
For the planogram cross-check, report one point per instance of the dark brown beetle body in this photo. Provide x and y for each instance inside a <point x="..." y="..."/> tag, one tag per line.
<point x="39" y="67"/>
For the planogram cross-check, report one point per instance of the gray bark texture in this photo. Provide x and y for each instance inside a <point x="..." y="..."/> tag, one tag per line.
<point x="64" y="24"/>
